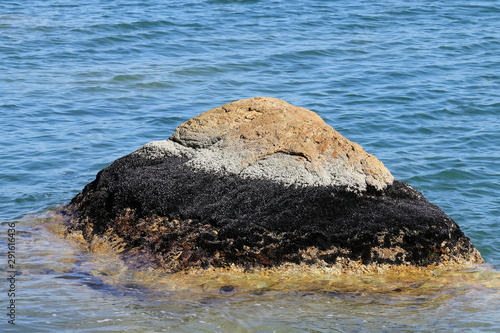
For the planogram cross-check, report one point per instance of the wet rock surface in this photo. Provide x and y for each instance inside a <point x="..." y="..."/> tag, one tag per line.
<point x="261" y="183"/>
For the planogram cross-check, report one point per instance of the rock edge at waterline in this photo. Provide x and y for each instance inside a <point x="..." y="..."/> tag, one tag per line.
<point x="260" y="183"/>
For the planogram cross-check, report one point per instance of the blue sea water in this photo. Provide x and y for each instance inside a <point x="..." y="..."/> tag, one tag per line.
<point x="416" y="83"/>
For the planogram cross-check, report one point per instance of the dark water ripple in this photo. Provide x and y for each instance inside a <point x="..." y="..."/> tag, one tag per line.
<point x="415" y="83"/>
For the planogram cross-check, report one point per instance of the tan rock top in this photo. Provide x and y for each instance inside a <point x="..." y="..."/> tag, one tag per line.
<point x="269" y="138"/>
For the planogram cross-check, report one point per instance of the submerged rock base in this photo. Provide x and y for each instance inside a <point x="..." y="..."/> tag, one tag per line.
<point x="111" y="266"/>
<point x="174" y="204"/>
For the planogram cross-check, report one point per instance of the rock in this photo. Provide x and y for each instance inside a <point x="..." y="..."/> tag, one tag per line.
<point x="262" y="183"/>
<point x="267" y="138"/>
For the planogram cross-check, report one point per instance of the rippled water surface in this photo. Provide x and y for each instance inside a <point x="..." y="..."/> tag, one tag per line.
<point x="416" y="83"/>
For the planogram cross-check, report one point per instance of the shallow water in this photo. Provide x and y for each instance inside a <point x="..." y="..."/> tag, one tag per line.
<point x="416" y="84"/>
<point x="66" y="290"/>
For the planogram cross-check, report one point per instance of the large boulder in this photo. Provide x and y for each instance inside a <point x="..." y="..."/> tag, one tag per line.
<point x="261" y="183"/>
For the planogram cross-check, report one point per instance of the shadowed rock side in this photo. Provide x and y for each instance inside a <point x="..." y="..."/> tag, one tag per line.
<point x="187" y="211"/>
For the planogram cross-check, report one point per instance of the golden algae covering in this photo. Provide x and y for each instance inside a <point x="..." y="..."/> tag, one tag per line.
<point x="107" y="261"/>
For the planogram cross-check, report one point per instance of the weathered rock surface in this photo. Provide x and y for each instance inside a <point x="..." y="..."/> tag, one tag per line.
<point x="267" y="138"/>
<point x="259" y="183"/>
